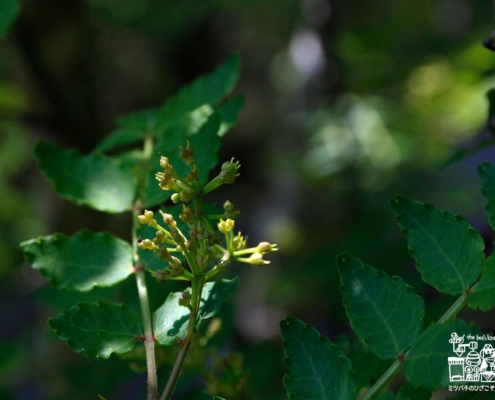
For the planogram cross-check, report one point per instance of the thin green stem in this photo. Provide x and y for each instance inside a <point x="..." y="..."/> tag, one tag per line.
<point x="196" y="290"/>
<point x="149" y="340"/>
<point x="396" y="367"/>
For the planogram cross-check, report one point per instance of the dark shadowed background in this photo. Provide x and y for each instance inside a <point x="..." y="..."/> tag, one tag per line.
<point x="348" y="102"/>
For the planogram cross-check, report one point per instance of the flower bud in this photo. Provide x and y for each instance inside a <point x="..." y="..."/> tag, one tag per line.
<point x="226" y="226"/>
<point x="169" y="219"/>
<point x="147" y="244"/>
<point x="229" y="171"/>
<point x="239" y="242"/>
<point x="187" y="214"/>
<point x="187" y="154"/>
<point x="266" y="248"/>
<point x="176" y="198"/>
<point x="160" y="237"/>
<point x="176" y="236"/>
<point x="256" y="259"/>
<point x="146" y="218"/>
<point x="162" y="254"/>
<point x="165" y="164"/>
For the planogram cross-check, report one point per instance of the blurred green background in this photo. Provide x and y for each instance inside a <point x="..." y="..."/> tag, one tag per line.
<point x="348" y="102"/>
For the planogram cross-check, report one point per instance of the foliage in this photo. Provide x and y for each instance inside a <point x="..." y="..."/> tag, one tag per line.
<point x="193" y="122"/>
<point x="386" y="313"/>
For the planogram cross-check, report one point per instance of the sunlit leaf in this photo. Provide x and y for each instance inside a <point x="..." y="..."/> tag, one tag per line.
<point x="207" y="89"/>
<point x="317" y="368"/>
<point x="448" y="251"/>
<point x="385" y="312"/>
<point x="100" y="182"/>
<point x="80" y="262"/>
<point x="98" y="329"/>
<point x="171" y="319"/>
<point x="229" y="111"/>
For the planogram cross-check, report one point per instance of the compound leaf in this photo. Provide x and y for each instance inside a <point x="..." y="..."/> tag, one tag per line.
<point x="9" y="9"/>
<point x="317" y="367"/>
<point x="427" y="363"/>
<point x="448" y="251"/>
<point x="80" y="262"/>
<point x="486" y="171"/>
<point x="483" y="294"/>
<point x="171" y="319"/>
<point x="94" y="180"/>
<point x="385" y="312"/>
<point x="98" y="329"/>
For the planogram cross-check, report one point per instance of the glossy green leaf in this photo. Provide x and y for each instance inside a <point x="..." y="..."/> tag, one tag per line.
<point x="98" y="329"/>
<point x="483" y="294"/>
<point x="206" y="143"/>
<point x="207" y="89"/>
<point x="486" y="171"/>
<point x="427" y="363"/>
<point x="448" y="251"/>
<point x="80" y="262"/>
<point x="171" y="319"/>
<point x="385" y="312"/>
<point x="94" y="180"/>
<point x="317" y="368"/>
<point x="218" y="398"/>
<point x="9" y="9"/>
<point x="229" y="111"/>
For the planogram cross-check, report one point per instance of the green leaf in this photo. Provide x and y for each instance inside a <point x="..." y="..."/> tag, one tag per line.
<point x="94" y="180"/>
<point x="486" y="171"/>
<point x="120" y="137"/>
<point x="98" y="329"/>
<point x="206" y="143"/>
<point x="9" y="9"/>
<point x="229" y="111"/>
<point x="171" y="319"/>
<point x="448" y="251"/>
<point x="385" y="312"/>
<point x="80" y="262"/>
<point x="317" y="367"/>
<point x="483" y="294"/>
<point x="218" y="398"/>
<point x="386" y="396"/>
<point x="427" y="363"/>
<point x="207" y="89"/>
<point x="408" y="392"/>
